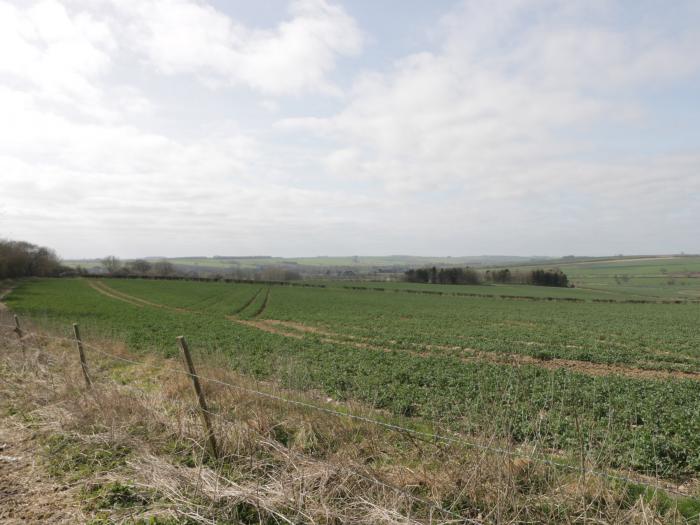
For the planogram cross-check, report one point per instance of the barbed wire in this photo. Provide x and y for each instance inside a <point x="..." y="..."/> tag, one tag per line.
<point x="389" y="426"/>
<point x="456" y="518"/>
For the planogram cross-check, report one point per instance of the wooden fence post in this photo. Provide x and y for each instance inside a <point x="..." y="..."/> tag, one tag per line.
<point x="20" y="334"/>
<point x="200" y="396"/>
<point x="83" y="362"/>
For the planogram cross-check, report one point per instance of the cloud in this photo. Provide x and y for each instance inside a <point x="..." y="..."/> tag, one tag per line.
<point x="527" y="127"/>
<point x="188" y="37"/>
<point x="517" y="123"/>
<point x="513" y="91"/>
<point x="57" y="55"/>
<point x="66" y="50"/>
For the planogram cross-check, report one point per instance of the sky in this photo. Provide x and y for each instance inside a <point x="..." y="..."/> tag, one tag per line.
<point x="319" y="127"/>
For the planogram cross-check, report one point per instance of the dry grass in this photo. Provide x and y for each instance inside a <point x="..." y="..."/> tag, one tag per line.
<point x="132" y="448"/>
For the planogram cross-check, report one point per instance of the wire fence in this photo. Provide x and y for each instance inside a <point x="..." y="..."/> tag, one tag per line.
<point x="454" y="517"/>
<point x="431" y="437"/>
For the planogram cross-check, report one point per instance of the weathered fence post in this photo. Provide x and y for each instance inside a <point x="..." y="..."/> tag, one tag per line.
<point x="83" y="362"/>
<point x="200" y="395"/>
<point x="18" y="329"/>
<point x="20" y="334"/>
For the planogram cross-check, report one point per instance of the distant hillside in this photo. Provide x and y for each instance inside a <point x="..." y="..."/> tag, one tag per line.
<point x="322" y="265"/>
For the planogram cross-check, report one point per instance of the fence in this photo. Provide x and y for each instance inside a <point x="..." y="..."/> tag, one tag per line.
<point x="83" y="348"/>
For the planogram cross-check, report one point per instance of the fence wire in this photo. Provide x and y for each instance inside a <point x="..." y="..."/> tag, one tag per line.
<point x="454" y="517"/>
<point x="390" y="426"/>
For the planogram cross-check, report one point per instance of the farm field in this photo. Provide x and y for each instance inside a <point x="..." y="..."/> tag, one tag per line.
<point x="618" y="382"/>
<point x="671" y="277"/>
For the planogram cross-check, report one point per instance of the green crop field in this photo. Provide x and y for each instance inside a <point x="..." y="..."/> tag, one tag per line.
<point x="618" y="382"/>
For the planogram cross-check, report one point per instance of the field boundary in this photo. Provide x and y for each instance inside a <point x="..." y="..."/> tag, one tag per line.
<point x="427" y="437"/>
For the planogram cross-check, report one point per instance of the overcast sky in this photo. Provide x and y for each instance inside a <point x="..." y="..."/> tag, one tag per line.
<point x="312" y="127"/>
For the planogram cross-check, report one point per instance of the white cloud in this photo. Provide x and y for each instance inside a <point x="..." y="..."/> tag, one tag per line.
<point x="189" y="37"/>
<point x="58" y="55"/>
<point x="515" y="88"/>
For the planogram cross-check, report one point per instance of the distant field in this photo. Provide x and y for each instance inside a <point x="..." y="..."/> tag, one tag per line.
<point x="625" y="376"/>
<point x="655" y="277"/>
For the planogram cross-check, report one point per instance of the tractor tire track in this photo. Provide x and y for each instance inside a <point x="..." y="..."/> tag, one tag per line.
<point x="137" y="301"/>
<point x="247" y="303"/>
<point x="260" y="310"/>
<point x="106" y="293"/>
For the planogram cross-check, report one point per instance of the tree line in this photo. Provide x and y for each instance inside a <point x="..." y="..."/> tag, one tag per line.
<point x="537" y="277"/>
<point x="443" y="275"/>
<point x="113" y="266"/>
<point x="141" y="267"/>
<point x="23" y="259"/>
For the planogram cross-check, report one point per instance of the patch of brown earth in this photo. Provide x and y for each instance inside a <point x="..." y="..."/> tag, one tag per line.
<point x="265" y="327"/>
<point x="307" y="328"/>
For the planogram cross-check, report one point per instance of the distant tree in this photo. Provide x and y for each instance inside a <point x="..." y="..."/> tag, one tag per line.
<point x="140" y="266"/>
<point x="111" y="264"/>
<point x="277" y="273"/>
<point x="163" y="268"/>
<point x="541" y="277"/>
<point x="443" y="275"/>
<point x="23" y="259"/>
<point x="499" y="276"/>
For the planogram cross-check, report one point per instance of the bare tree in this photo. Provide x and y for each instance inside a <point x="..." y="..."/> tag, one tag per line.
<point x="111" y="264"/>
<point x="140" y="266"/>
<point x="163" y="268"/>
